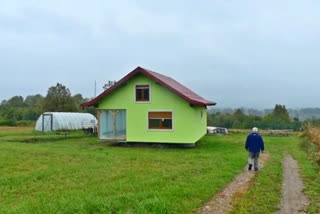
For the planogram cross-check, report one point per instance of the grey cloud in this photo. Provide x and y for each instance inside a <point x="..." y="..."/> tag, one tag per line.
<point x="238" y="53"/>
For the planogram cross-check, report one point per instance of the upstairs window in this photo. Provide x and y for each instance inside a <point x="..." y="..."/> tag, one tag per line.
<point x="160" y="120"/>
<point x="143" y="93"/>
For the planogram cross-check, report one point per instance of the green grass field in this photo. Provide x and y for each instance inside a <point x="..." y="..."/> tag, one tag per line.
<point x="46" y="173"/>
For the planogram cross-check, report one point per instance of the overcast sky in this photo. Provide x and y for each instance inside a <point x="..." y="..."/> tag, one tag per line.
<point x="236" y="53"/>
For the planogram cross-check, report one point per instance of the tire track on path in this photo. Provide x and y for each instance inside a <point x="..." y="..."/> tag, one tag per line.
<point x="293" y="200"/>
<point x="221" y="202"/>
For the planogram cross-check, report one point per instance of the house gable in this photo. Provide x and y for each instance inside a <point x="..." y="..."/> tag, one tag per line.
<point x="160" y="79"/>
<point x="189" y="124"/>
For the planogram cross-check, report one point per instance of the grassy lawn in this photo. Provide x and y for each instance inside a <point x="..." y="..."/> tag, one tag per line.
<point x="44" y="173"/>
<point x="79" y="175"/>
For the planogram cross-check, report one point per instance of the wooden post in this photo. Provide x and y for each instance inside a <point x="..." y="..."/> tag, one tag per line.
<point x="114" y="116"/>
<point x="99" y="120"/>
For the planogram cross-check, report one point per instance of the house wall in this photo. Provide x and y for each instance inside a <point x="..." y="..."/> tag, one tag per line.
<point x="188" y="126"/>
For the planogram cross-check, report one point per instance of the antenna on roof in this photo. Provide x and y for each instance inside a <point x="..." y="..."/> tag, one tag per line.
<point x="109" y="84"/>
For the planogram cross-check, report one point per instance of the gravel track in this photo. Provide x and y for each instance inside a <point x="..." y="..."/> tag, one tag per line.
<point x="221" y="203"/>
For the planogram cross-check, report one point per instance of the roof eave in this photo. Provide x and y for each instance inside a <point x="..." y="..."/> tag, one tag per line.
<point x="203" y="104"/>
<point x="211" y="104"/>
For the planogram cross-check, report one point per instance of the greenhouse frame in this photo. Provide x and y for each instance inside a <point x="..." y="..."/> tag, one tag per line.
<point x="54" y="121"/>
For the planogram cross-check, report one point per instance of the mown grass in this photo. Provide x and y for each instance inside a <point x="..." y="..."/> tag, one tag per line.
<point x="79" y="175"/>
<point x="265" y="192"/>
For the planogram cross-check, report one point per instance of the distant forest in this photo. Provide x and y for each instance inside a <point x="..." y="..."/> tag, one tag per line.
<point x="301" y="113"/>
<point x="278" y="118"/>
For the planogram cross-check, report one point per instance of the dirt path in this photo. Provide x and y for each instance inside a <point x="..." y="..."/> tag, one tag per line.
<point x="221" y="203"/>
<point x="293" y="200"/>
<point x="14" y="128"/>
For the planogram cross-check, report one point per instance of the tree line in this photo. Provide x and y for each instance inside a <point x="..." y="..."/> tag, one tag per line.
<point x="300" y="113"/>
<point x="278" y="118"/>
<point x="20" y="111"/>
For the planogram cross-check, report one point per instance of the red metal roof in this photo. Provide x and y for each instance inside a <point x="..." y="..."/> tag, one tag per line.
<point x="163" y="80"/>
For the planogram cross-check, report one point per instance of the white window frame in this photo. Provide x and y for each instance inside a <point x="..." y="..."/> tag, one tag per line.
<point x="135" y="94"/>
<point x="161" y="130"/>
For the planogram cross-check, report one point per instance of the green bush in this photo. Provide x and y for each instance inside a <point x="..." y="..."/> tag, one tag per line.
<point x="8" y="122"/>
<point x="25" y="123"/>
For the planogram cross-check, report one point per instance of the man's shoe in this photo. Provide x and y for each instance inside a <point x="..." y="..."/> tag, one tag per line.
<point x="256" y="169"/>
<point x="250" y="167"/>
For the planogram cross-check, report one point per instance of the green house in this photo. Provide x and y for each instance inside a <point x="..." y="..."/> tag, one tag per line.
<point x="148" y="107"/>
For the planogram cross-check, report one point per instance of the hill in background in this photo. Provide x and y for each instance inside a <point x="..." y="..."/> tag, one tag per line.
<point x="302" y="114"/>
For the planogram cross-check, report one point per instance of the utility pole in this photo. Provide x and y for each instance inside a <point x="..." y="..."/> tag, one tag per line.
<point x="95" y="89"/>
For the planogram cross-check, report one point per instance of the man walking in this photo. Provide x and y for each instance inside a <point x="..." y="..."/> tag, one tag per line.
<point x="254" y="145"/>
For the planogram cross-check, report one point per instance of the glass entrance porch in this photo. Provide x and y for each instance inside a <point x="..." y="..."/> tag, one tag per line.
<point x="113" y="125"/>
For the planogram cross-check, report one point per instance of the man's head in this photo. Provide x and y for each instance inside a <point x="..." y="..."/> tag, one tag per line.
<point x="255" y="130"/>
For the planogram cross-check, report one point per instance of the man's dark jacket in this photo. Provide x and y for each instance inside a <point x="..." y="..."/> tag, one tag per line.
<point x="254" y="143"/>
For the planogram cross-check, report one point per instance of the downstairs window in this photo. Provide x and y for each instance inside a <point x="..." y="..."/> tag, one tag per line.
<point x="160" y="120"/>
